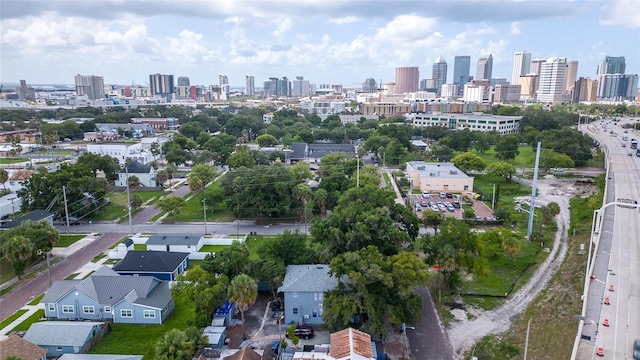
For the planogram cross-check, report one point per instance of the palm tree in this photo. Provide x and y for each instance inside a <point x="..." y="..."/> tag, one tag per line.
<point x="244" y="292"/>
<point x="174" y="345"/>
<point x="195" y="184"/>
<point x="162" y="176"/>
<point x="18" y="250"/>
<point x="133" y="182"/>
<point x="4" y="177"/>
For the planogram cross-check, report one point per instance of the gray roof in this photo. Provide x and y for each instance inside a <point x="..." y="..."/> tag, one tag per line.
<point x="435" y="169"/>
<point x="308" y="278"/>
<point x="99" y="357"/>
<point x="36" y="215"/>
<point x="107" y="287"/>
<point x="60" y="333"/>
<point x="298" y="151"/>
<point x="150" y="261"/>
<point x="136" y="168"/>
<point x="320" y="150"/>
<point x="174" y="239"/>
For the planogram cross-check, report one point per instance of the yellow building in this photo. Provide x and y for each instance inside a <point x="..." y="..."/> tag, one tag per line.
<point x="438" y="177"/>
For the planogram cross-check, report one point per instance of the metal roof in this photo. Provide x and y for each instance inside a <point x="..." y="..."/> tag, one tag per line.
<point x="150" y="261"/>
<point x="174" y="239"/>
<point x="308" y="278"/>
<point x="60" y="333"/>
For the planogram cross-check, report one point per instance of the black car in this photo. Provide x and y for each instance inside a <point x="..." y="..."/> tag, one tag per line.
<point x="303" y="331"/>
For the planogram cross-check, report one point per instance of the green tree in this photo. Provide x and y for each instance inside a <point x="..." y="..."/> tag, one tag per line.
<point x="161" y="177"/>
<point x="195" y="184"/>
<point x="175" y="345"/>
<point x="507" y="147"/>
<point x="41" y="234"/>
<point x="204" y="172"/>
<point x="191" y="129"/>
<point x="469" y="161"/>
<point x="265" y="140"/>
<point x="244" y="292"/>
<point x="230" y="261"/>
<point x="269" y="271"/>
<point x="136" y="201"/>
<point x="18" y="250"/>
<point x="433" y="220"/>
<point x="4" y="177"/>
<point x="133" y="182"/>
<point x="241" y="159"/>
<point x="203" y="290"/>
<point x="501" y="169"/>
<point x="291" y="247"/>
<point x="511" y="245"/>
<point x="171" y="204"/>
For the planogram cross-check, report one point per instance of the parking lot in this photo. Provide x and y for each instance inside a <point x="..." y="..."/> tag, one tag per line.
<point x="445" y="203"/>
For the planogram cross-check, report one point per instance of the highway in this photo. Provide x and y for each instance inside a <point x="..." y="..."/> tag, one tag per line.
<point x="612" y="316"/>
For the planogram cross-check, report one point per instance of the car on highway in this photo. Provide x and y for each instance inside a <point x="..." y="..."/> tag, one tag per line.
<point x="303" y="331"/>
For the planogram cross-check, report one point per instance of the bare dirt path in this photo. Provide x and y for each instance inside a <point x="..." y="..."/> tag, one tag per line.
<point x="464" y="334"/>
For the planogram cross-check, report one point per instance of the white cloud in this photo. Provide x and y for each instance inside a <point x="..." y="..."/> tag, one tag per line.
<point x="284" y="25"/>
<point x="515" y="28"/>
<point x="344" y="20"/>
<point x="621" y="12"/>
<point x="405" y="28"/>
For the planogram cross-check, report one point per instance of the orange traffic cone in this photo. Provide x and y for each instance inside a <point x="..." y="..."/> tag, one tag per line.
<point x="610" y="287"/>
<point x="600" y="352"/>
<point x="606" y="301"/>
<point x="606" y="322"/>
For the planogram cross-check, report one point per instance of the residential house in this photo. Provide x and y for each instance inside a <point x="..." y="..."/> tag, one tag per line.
<point x="304" y="287"/>
<point x="66" y="337"/>
<point x="36" y="215"/>
<point x="99" y="357"/>
<point x="346" y="344"/>
<point x="20" y="348"/>
<point x="244" y="353"/>
<point x="162" y="265"/>
<point x="438" y="177"/>
<point x="121" y="151"/>
<point x="185" y="243"/>
<point x="107" y="295"/>
<point x="145" y="173"/>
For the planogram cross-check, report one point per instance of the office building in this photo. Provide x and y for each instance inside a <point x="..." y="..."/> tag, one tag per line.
<point x="572" y="74"/>
<point x="536" y="65"/>
<point x="223" y="79"/>
<point x="283" y="87"/>
<point x="553" y="80"/>
<point x="161" y="84"/>
<point x="370" y="86"/>
<point x="249" y="85"/>
<point x="506" y="92"/>
<point x="407" y="79"/>
<point x="461" y="67"/>
<point x="90" y="85"/>
<point x="612" y="65"/>
<point x="617" y="87"/>
<point x="269" y="87"/>
<point x="300" y="87"/>
<point x="476" y="92"/>
<point x="473" y="121"/>
<point x="423" y="85"/>
<point x="521" y="66"/>
<point x="584" y="90"/>
<point x="529" y="86"/>
<point x="183" y="81"/>
<point x="485" y="68"/>
<point x="25" y="92"/>
<point x="439" y="73"/>
<point x="449" y="90"/>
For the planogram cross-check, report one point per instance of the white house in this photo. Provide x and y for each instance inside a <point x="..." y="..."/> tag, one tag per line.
<point x="145" y="173"/>
<point x="186" y="243"/>
<point x="121" y="151"/>
<point x="438" y="177"/>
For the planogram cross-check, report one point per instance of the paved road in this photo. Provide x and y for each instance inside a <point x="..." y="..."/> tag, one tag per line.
<point x="429" y="340"/>
<point x="616" y="258"/>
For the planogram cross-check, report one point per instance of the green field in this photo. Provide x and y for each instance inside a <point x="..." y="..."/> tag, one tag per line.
<point x="66" y="240"/>
<point x="26" y="324"/>
<point x="525" y="158"/>
<point x="213" y="248"/>
<point x="36" y="300"/>
<point x="12" y="161"/>
<point x="117" y="207"/>
<point x="139" y="247"/>
<point x="192" y="211"/>
<point x="11" y="318"/>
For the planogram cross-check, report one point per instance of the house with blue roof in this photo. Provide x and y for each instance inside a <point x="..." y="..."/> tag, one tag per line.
<point x="303" y="288"/>
<point x="109" y="296"/>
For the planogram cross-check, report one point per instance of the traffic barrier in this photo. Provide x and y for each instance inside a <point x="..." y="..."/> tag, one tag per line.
<point x="611" y="288"/>
<point x="600" y="352"/>
<point x="606" y="301"/>
<point x="605" y="322"/>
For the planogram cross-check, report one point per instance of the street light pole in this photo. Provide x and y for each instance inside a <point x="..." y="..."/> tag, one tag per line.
<point x="204" y="208"/>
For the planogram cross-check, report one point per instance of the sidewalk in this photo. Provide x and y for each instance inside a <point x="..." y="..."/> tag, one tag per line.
<point x="84" y="271"/>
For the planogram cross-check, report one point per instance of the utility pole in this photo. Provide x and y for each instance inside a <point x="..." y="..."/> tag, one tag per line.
<point x="357" y="176"/>
<point x="533" y="193"/>
<point x="204" y="208"/>
<point x="66" y="208"/>
<point x="128" y="200"/>
<point x="526" y="341"/>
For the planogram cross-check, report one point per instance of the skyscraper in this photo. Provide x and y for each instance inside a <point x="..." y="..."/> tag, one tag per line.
<point x="90" y="85"/>
<point x="370" y="86"/>
<point x="584" y="90"/>
<point x="553" y="80"/>
<point x="283" y="87"/>
<point x="300" y="87"/>
<point x="407" y="79"/>
<point x="183" y="81"/>
<point x="25" y="92"/>
<point x="461" y="67"/>
<point x="485" y="68"/>
<point x="161" y="84"/>
<point x="249" y="85"/>
<point x="439" y="73"/>
<point x="612" y="65"/>
<point x="536" y="65"/>
<point x="572" y="74"/>
<point x="617" y="87"/>
<point x="521" y="66"/>
<point x="223" y="79"/>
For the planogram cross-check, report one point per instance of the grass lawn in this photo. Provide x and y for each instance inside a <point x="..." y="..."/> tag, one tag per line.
<point x="387" y="180"/>
<point x="110" y="262"/>
<point x="26" y="324"/>
<point x="525" y="158"/>
<point x="117" y="207"/>
<point x="72" y="276"/>
<point x="12" y="161"/>
<point x="98" y="257"/>
<point x="213" y="248"/>
<point x="36" y="300"/>
<point x="118" y="340"/>
<point x="12" y="318"/>
<point x="141" y="247"/>
<point x="192" y="211"/>
<point x="66" y="240"/>
<point x="6" y="271"/>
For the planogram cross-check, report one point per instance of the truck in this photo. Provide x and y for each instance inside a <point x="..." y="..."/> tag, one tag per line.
<point x="634" y="143"/>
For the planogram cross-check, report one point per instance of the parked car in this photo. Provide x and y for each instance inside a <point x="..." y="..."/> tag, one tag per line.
<point x="303" y="331"/>
<point x="424" y="203"/>
<point x="451" y="209"/>
<point x="418" y="208"/>
<point x="425" y="194"/>
<point x="456" y="204"/>
<point x="449" y="195"/>
<point x="442" y="195"/>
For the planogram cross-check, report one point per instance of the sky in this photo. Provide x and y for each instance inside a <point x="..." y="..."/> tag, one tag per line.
<point x="326" y="41"/>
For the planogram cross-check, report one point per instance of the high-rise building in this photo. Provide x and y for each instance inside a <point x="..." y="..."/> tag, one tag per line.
<point x="572" y="74"/>
<point x="617" y="87"/>
<point x="249" y="85"/>
<point x="269" y="87"/>
<point x="584" y="90"/>
<point x="448" y="90"/>
<point x="25" y="92"/>
<point x="300" y="87"/>
<point x="521" y="66"/>
<point x="439" y="73"/>
<point x="529" y="85"/>
<point x="536" y="65"/>
<point x="461" y="67"/>
<point x="223" y="79"/>
<point x="370" y="86"/>
<point x="612" y="65"/>
<point x="485" y="68"/>
<point x="407" y="79"/>
<point x="506" y="92"/>
<point x="283" y="87"/>
<point x="90" y="85"/>
<point x="553" y="80"/>
<point x="184" y="81"/>
<point x="161" y="84"/>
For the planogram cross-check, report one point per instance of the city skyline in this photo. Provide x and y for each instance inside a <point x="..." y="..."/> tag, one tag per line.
<point x="325" y="41"/>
